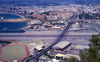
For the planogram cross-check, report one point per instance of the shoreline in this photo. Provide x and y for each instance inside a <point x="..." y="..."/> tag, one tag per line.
<point x="13" y="14"/>
<point x="28" y="26"/>
<point x="21" y="19"/>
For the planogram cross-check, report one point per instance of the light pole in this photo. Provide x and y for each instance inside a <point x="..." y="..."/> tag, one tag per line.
<point x="27" y="39"/>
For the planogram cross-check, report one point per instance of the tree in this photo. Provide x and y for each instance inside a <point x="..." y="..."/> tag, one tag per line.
<point x="73" y="59"/>
<point x="95" y="41"/>
<point x="92" y="54"/>
<point x="83" y="55"/>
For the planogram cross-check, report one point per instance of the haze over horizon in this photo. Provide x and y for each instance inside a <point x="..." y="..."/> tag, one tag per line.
<point x="50" y="0"/>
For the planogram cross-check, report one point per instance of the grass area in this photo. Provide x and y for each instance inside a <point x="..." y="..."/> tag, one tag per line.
<point x="13" y="52"/>
<point x="29" y="41"/>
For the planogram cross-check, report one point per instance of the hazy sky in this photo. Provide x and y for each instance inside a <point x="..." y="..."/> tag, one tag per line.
<point x="42" y="0"/>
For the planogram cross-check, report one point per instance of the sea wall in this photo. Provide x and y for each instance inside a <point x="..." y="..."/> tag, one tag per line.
<point x="15" y="20"/>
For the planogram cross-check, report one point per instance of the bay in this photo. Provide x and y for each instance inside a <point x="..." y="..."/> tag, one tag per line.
<point x="12" y="25"/>
<point x="9" y="16"/>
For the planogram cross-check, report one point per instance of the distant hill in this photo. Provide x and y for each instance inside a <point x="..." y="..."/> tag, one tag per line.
<point x="56" y="0"/>
<point x="52" y="2"/>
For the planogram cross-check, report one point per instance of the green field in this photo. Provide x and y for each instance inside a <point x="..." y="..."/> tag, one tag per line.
<point x="13" y="52"/>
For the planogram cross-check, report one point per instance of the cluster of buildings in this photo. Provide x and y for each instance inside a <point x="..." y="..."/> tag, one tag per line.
<point x="75" y="26"/>
<point x="62" y="51"/>
<point x="92" y="9"/>
<point x="51" y="25"/>
<point x="55" y="12"/>
<point x="54" y="15"/>
<point x="61" y="12"/>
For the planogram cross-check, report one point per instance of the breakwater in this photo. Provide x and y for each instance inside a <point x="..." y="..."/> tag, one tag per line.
<point x="12" y="31"/>
<point x="15" y="20"/>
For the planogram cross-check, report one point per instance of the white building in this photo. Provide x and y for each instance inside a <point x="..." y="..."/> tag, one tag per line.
<point x="39" y="47"/>
<point x="62" y="45"/>
<point x="68" y="56"/>
<point x="75" y="26"/>
<point x="52" y="17"/>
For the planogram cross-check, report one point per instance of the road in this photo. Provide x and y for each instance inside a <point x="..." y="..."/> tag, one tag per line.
<point x="56" y="41"/>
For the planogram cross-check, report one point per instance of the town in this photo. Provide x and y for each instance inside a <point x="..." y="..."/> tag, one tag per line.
<point x="52" y="34"/>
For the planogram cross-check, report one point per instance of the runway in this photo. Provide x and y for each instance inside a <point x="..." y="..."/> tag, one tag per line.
<point x="44" y="35"/>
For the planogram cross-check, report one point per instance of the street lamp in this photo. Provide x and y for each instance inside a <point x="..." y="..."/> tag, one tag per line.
<point x="27" y="39"/>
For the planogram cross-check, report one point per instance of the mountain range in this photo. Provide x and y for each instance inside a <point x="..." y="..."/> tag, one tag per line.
<point x="53" y="2"/>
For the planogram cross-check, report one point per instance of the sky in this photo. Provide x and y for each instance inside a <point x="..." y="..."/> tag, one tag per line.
<point x="48" y="0"/>
<point x="38" y="0"/>
<point x="55" y="0"/>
